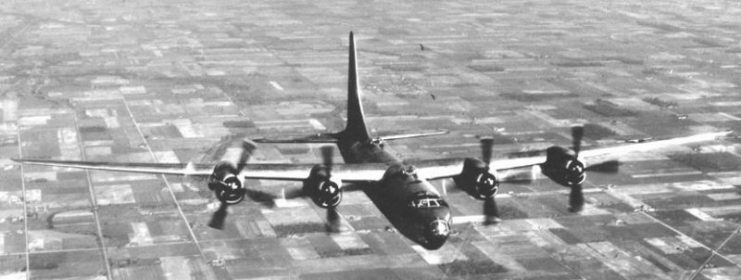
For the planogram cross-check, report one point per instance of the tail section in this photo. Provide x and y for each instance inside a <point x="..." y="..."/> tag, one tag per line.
<point x="355" y="129"/>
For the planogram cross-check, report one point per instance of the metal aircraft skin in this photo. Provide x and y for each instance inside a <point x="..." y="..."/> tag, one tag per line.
<point x="400" y="189"/>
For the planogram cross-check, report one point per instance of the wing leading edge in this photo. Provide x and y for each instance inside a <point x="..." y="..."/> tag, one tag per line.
<point x="260" y="171"/>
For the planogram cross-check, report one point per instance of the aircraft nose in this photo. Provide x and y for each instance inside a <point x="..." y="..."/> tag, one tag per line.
<point x="437" y="233"/>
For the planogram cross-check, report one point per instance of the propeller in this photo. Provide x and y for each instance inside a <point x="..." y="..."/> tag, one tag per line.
<point x="214" y="153"/>
<point x="576" y="196"/>
<point x="328" y="158"/>
<point x="518" y="176"/>
<point x="264" y="198"/>
<point x="576" y="199"/>
<point x="333" y="220"/>
<point x="247" y="148"/>
<point x="491" y="212"/>
<point x="577" y="133"/>
<point x="217" y="220"/>
<point x="487" y="144"/>
<point x="333" y="217"/>
<point x="611" y="166"/>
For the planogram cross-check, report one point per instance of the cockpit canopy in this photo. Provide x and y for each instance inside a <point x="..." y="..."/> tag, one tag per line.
<point x="406" y="172"/>
<point x="409" y="170"/>
<point x="426" y="200"/>
<point x="377" y="141"/>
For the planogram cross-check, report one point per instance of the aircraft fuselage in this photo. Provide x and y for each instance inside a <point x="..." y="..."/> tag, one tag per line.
<point x="412" y="205"/>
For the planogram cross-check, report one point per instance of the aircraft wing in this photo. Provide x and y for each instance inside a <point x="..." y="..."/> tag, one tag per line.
<point x="364" y="172"/>
<point x="445" y="168"/>
<point x="413" y="135"/>
<point x="652" y="145"/>
<point x="261" y="171"/>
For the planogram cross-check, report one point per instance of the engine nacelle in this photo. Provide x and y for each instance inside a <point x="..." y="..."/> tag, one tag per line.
<point x="225" y="183"/>
<point x="322" y="188"/>
<point x="477" y="180"/>
<point x="563" y="167"/>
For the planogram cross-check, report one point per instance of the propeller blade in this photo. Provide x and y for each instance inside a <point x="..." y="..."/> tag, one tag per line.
<point x="293" y="193"/>
<point x="189" y="181"/>
<point x="333" y="220"/>
<point x="486" y="149"/>
<point x="523" y="176"/>
<point x="327" y="156"/>
<point x="248" y="148"/>
<point x="216" y="152"/>
<point x="577" y="133"/>
<point x="491" y="212"/>
<point x="217" y="220"/>
<point x="445" y="187"/>
<point x="264" y="198"/>
<point x="611" y="166"/>
<point x="576" y="199"/>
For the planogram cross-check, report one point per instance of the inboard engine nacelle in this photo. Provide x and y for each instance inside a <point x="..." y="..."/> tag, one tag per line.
<point x="324" y="190"/>
<point x="477" y="179"/>
<point x="563" y="167"/>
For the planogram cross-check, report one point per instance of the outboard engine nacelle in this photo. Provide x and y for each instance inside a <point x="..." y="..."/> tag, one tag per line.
<point x="563" y="167"/>
<point x="324" y="190"/>
<point x="224" y="182"/>
<point x="477" y="179"/>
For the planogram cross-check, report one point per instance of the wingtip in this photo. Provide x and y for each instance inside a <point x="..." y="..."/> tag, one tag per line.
<point x="251" y="142"/>
<point x="718" y="135"/>
<point x="727" y="133"/>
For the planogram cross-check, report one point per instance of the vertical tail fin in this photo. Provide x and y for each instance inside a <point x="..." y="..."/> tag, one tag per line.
<point x="355" y="129"/>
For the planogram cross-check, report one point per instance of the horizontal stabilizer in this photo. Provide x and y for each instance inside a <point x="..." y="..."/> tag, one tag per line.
<point x="321" y="138"/>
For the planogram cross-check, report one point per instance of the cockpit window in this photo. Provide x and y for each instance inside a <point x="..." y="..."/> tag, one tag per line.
<point x="425" y="202"/>
<point x="376" y="141"/>
<point x="409" y="170"/>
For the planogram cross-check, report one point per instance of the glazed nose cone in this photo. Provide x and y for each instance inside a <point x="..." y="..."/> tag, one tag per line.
<point x="437" y="233"/>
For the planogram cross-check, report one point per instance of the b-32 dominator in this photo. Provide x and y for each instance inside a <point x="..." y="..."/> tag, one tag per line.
<point x="400" y="189"/>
